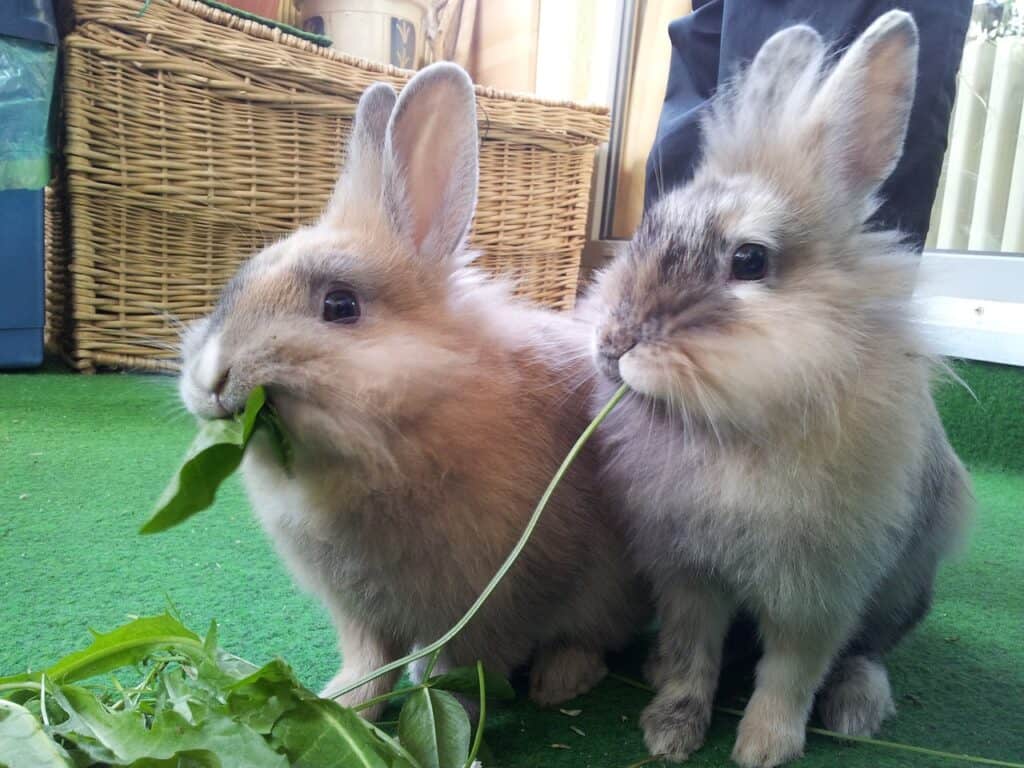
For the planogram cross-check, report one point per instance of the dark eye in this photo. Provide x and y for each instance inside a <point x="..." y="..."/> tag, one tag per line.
<point x="341" y="306"/>
<point x="749" y="262"/>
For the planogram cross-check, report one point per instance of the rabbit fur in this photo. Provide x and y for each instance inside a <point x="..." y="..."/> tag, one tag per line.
<point x="780" y="454"/>
<point x="425" y="430"/>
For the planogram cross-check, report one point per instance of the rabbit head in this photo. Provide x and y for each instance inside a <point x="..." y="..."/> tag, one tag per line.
<point x="350" y="322"/>
<point x="749" y="291"/>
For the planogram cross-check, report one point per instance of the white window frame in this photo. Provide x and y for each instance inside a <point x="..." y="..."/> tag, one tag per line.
<point x="970" y="304"/>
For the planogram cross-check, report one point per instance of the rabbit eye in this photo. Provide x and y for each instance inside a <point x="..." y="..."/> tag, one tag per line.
<point x="341" y="305"/>
<point x="749" y="262"/>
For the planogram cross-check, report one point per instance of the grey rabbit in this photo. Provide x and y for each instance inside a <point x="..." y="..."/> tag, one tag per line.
<point x="780" y="454"/>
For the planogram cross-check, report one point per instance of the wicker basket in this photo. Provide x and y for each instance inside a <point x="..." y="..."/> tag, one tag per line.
<point x="56" y="330"/>
<point x="195" y="136"/>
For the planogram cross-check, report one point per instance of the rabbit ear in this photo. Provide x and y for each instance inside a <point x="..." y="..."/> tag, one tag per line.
<point x="788" y="60"/>
<point x="864" y="105"/>
<point x="760" y="108"/>
<point x="430" y="161"/>
<point x="361" y="175"/>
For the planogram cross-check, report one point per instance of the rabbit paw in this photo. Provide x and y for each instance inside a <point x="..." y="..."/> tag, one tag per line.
<point x="675" y="725"/>
<point x="764" y="742"/>
<point x="857" y="697"/>
<point x="563" y="673"/>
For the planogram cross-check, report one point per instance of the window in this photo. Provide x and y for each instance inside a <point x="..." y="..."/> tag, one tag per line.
<point x="971" y="286"/>
<point x="980" y="201"/>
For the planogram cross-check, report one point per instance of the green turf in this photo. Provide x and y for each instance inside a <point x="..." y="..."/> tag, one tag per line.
<point x="82" y="459"/>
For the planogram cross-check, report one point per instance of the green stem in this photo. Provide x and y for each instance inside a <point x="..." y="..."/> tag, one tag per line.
<point x="646" y="761"/>
<point x="121" y="691"/>
<point x="904" y="747"/>
<point x="478" y="739"/>
<point x="390" y="695"/>
<point x="509" y="561"/>
<point x="630" y="682"/>
<point x="431" y="664"/>
<point x="843" y="737"/>
<point x="31" y="685"/>
<point x="42" y="701"/>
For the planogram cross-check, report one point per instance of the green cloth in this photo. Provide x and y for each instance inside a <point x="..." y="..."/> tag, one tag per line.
<point x="83" y="458"/>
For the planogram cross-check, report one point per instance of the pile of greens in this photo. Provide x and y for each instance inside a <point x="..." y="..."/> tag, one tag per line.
<point x="192" y="704"/>
<point x="182" y="702"/>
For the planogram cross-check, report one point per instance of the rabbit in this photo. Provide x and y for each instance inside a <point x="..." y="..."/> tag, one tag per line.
<point x="427" y="411"/>
<point x="779" y="455"/>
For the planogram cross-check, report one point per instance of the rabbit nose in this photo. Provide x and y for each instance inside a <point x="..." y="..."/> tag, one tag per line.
<point x="611" y="348"/>
<point x="617" y="343"/>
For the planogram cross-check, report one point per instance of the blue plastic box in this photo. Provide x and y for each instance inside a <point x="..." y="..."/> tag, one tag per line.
<point x="21" y="279"/>
<point x="28" y="37"/>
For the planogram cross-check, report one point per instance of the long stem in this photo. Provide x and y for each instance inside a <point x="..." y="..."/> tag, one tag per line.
<point x="843" y="737"/>
<point x="478" y="739"/>
<point x="28" y="684"/>
<point x="647" y="761"/>
<point x="431" y="663"/>
<point x="389" y="695"/>
<point x="42" y="701"/>
<point x="509" y="561"/>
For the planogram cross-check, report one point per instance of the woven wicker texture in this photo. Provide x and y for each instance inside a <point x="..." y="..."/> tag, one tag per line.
<point x="194" y="137"/>
<point x="56" y="328"/>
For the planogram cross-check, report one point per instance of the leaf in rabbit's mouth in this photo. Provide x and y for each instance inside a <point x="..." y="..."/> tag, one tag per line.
<point x="213" y="456"/>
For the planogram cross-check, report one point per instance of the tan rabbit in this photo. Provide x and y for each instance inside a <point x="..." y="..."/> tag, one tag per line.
<point x="427" y="410"/>
<point x="780" y="455"/>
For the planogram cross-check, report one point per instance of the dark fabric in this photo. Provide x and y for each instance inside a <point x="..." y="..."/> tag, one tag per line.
<point x="720" y="35"/>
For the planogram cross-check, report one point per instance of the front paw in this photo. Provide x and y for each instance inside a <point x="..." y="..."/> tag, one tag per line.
<point x="857" y="697"/>
<point x="675" y="725"/>
<point x="764" y="742"/>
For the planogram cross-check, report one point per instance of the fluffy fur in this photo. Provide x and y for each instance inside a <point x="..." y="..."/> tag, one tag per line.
<point x="781" y="454"/>
<point x="425" y="432"/>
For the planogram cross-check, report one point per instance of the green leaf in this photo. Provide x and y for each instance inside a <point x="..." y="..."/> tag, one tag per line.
<point x="260" y="699"/>
<point x="278" y="437"/>
<point x="234" y="667"/>
<point x="465" y="680"/>
<point x="193" y="758"/>
<point x="210" y="641"/>
<point x="215" y="453"/>
<point x="435" y="728"/>
<point x="319" y="732"/>
<point x="24" y="743"/>
<point x="397" y="755"/>
<point x="122" y="647"/>
<point x="122" y="738"/>
<point x="176" y="692"/>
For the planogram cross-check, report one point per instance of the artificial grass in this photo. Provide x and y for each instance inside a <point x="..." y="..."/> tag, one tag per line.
<point x="83" y="458"/>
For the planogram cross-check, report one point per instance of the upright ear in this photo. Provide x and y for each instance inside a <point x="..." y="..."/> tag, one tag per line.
<point x="430" y="160"/>
<point x="864" y="105"/>
<point x="361" y="177"/>
<point x="786" y="66"/>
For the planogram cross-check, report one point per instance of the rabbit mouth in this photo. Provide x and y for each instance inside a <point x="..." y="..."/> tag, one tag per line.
<point x="643" y="374"/>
